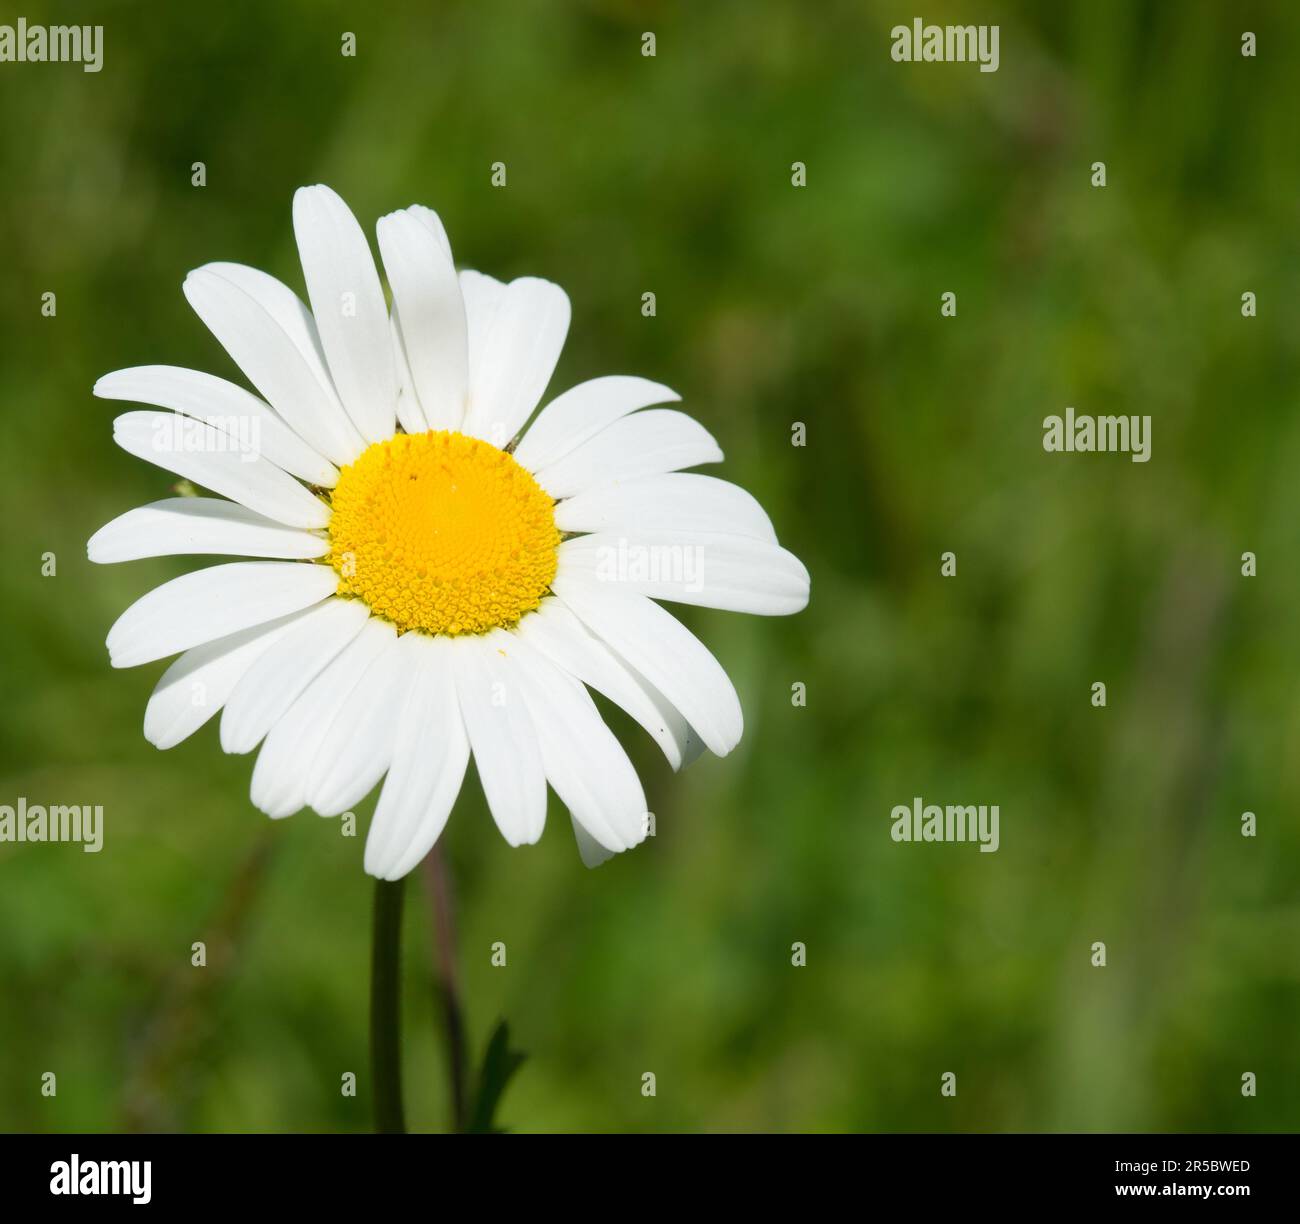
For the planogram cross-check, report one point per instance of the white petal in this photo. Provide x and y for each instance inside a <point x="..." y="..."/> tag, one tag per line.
<point x="517" y="359"/>
<point x="434" y="224"/>
<point x="590" y="850"/>
<point x="199" y="525"/>
<point x="202" y="454"/>
<point x="583" y="411"/>
<point x="482" y="295"/>
<point x="502" y="736"/>
<point x="276" y="680"/>
<point x="427" y="292"/>
<point x="347" y="301"/>
<point x="667" y="654"/>
<point x="274" y="363"/>
<point x="731" y="572"/>
<point x="212" y="603"/>
<point x="198" y="682"/>
<point x="674" y="501"/>
<point x="225" y="407"/>
<point x="643" y="444"/>
<point x="429" y="760"/>
<point x="409" y="412"/>
<point x="284" y="766"/>
<point x="358" y="747"/>
<point x="584" y="762"/>
<point x="563" y="638"/>
<point x="284" y="306"/>
<point x="295" y="319"/>
<point x="689" y="743"/>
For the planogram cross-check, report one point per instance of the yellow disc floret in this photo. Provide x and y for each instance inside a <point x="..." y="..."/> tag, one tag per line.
<point x="443" y="533"/>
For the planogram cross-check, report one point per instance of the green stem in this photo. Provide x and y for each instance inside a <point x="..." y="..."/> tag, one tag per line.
<point x="447" y="984"/>
<point x="386" y="1008"/>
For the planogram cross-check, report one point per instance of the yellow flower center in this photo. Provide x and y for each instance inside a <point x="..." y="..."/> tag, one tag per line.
<point x="443" y="533"/>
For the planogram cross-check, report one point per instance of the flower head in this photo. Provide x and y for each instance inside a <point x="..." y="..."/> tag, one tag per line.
<point x="433" y="580"/>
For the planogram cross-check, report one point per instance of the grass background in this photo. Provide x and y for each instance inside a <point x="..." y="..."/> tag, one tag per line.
<point x="775" y="305"/>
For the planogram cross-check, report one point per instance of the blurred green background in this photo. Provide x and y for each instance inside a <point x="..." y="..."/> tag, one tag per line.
<point x="776" y="304"/>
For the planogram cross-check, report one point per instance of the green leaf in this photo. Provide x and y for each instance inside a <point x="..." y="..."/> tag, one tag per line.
<point x="499" y="1066"/>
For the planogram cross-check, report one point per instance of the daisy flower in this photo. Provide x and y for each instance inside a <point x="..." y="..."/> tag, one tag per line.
<point x="430" y="580"/>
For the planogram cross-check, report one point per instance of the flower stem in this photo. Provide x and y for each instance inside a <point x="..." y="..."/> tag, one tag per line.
<point x="447" y="981"/>
<point x="386" y="1008"/>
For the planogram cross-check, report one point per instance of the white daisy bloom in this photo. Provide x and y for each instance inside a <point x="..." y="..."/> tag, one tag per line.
<point x="430" y="580"/>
